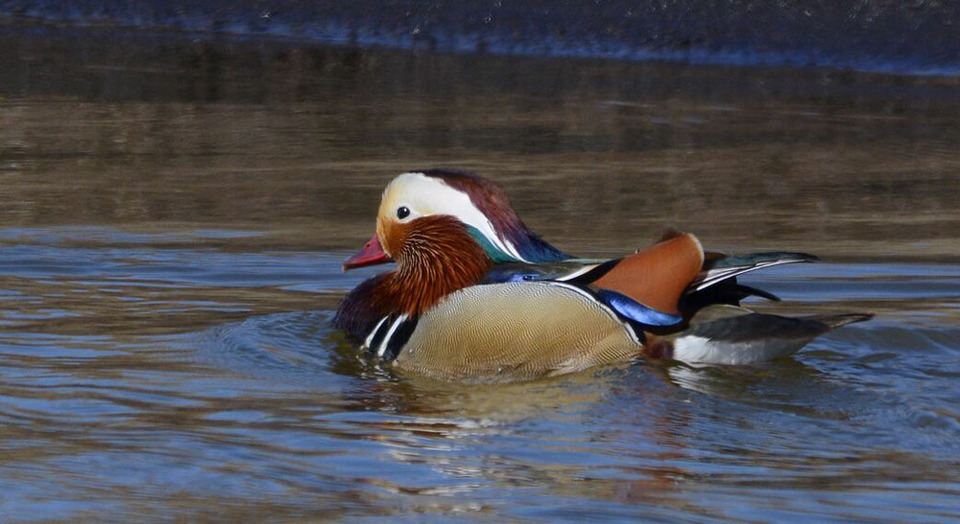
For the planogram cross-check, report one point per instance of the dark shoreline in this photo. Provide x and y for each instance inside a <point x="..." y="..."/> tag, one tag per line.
<point x="166" y="64"/>
<point x="916" y="39"/>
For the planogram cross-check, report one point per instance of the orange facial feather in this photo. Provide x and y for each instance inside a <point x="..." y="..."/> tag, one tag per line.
<point x="435" y="256"/>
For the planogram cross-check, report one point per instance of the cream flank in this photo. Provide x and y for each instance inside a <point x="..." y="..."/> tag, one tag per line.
<point x="501" y="332"/>
<point x="425" y="195"/>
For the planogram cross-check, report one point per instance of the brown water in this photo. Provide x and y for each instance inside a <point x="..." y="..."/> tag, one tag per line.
<point x="175" y="213"/>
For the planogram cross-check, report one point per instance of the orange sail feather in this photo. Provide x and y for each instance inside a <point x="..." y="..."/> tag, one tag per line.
<point x="657" y="276"/>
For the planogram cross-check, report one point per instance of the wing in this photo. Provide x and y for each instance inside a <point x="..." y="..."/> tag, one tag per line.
<point x="643" y="288"/>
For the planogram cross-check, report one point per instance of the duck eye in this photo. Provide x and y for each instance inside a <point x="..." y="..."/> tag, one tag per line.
<point x="403" y="212"/>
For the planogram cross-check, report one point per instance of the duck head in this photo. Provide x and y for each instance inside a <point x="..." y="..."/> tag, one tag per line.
<point x="478" y="204"/>
<point x="437" y="238"/>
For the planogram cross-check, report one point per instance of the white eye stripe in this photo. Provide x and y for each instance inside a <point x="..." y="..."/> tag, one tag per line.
<point x="425" y="195"/>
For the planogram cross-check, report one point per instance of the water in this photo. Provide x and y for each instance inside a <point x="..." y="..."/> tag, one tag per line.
<point x="176" y="212"/>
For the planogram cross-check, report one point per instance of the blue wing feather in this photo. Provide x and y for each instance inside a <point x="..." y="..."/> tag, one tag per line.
<point x="635" y="311"/>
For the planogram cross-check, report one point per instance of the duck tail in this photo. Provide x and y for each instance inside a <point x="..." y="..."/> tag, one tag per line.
<point x="835" y="321"/>
<point x="724" y="334"/>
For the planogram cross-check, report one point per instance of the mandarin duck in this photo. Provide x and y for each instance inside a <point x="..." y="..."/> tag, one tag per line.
<point x="478" y="297"/>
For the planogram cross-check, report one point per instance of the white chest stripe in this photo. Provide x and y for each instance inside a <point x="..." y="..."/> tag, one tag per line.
<point x="373" y="333"/>
<point x="386" y="340"/>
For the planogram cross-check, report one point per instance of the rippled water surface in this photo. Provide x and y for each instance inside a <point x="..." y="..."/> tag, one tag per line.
<point x="174" y="217"/>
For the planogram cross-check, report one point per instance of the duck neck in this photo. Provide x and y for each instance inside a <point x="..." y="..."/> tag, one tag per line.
<point x="438" y="257"/>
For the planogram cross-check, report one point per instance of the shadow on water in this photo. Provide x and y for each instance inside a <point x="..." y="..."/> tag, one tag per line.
<point x="175" y="217"/>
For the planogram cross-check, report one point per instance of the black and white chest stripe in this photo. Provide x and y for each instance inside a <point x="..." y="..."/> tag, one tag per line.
<point x="389" y="335"/>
